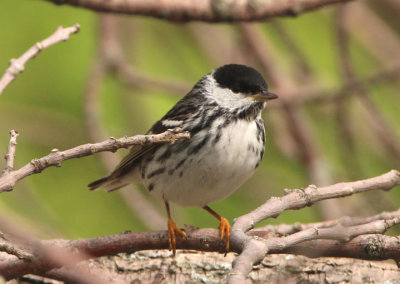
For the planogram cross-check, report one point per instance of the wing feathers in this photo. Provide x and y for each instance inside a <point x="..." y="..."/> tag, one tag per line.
<point x="179" y="115"/>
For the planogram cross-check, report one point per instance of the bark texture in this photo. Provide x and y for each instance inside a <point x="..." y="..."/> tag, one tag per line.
<point x="195" y="267"/>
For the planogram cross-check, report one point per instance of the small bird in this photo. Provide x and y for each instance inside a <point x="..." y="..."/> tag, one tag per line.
<point x="222" y="113"/>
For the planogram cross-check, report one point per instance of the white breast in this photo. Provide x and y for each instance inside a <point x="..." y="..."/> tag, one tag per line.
<point x="212" y="173"/>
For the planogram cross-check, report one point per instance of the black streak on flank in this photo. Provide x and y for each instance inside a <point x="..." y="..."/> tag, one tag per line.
<point x="260" y="158"/>
<point x="156" y="172"/>
<point x="261" y="154"/>
<point x="260" y="131"/>
<point x="143" y="170"/>
<point x="150" y="157"/>
<point x="206" y="121"/>
<point x="200" y="145"/>
<point x="165" y="155"/>
<point x="217" y="137"/>
<point x="251" y="148"/>
<point x="180" y="163"/>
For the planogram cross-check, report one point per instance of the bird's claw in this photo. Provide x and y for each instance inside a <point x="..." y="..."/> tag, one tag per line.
<point x="172" y="229"/>
<point x="225" y="230"/>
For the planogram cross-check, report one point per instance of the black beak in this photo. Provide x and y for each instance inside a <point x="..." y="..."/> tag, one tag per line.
<point x="264" y="96"/>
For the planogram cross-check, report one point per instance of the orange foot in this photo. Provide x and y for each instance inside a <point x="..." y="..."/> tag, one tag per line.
<point x="225" y="230"/>
<point x="172" y="229"/>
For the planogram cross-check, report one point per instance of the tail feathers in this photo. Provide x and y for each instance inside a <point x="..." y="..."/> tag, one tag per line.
<point x="108" y="183"/>
<point x="98" y="183"/>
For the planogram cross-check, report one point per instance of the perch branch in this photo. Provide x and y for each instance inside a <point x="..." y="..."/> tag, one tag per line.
<point x="206" y="10"/>
<point x="18" y="65"/>
<point x="371" y="246"/>
<point x="56" y="157"/>
<point x="254" y="250"/>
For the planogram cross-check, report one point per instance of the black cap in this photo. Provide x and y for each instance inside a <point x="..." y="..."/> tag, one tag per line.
<point x="240" y="79"/>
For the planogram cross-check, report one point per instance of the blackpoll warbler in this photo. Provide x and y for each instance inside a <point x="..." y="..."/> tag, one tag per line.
<point x="223" y="115"/>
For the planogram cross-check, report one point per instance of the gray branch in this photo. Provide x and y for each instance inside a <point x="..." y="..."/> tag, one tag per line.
<point x="10" y="156"/>
<point x="56" y="157"/>
<point x="254" y="250"/>
<point x="205" y="10"/>
<point x="18" y="65"/>
<point x="356" y="238"/>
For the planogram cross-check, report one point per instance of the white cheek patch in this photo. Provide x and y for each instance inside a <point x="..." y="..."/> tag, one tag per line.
<point x="225" y="97"/>
<point x="171" y="123"/>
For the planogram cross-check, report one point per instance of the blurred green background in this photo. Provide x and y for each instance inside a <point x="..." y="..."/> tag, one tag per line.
<point x="46" y="105"/>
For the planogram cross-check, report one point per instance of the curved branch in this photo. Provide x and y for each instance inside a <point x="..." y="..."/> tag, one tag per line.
<point x="56" y="157"/>
<point x="18" y="65"/>
<point x="254" y="250"/>
<point x="205" y="10"/>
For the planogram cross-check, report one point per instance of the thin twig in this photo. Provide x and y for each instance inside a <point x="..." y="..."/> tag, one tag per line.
<point x="286" y="229"/>
<point x="18" y="65"/>
<point x="56" y="157"/>
<point x="206" y="10"/>
<point x="10" y="156"/>
<point x="338" y="232"/>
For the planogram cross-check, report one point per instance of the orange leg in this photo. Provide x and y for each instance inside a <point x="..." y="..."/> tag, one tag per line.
<point x="224" y="227"/>
<point x="172" y="229"/>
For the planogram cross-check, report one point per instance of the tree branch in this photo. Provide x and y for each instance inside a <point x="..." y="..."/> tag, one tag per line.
<point x="208" y="267"/>
<point x="254" y="250"/>
<point x="206" y="10"/>
<point x="361" y="237"/>
<point x="308" y="242"/>
<point x="12" y="249"/>
<point x="286" y="229"/>
<point x="18" y="65"/>
<point x="56" y="157"/>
